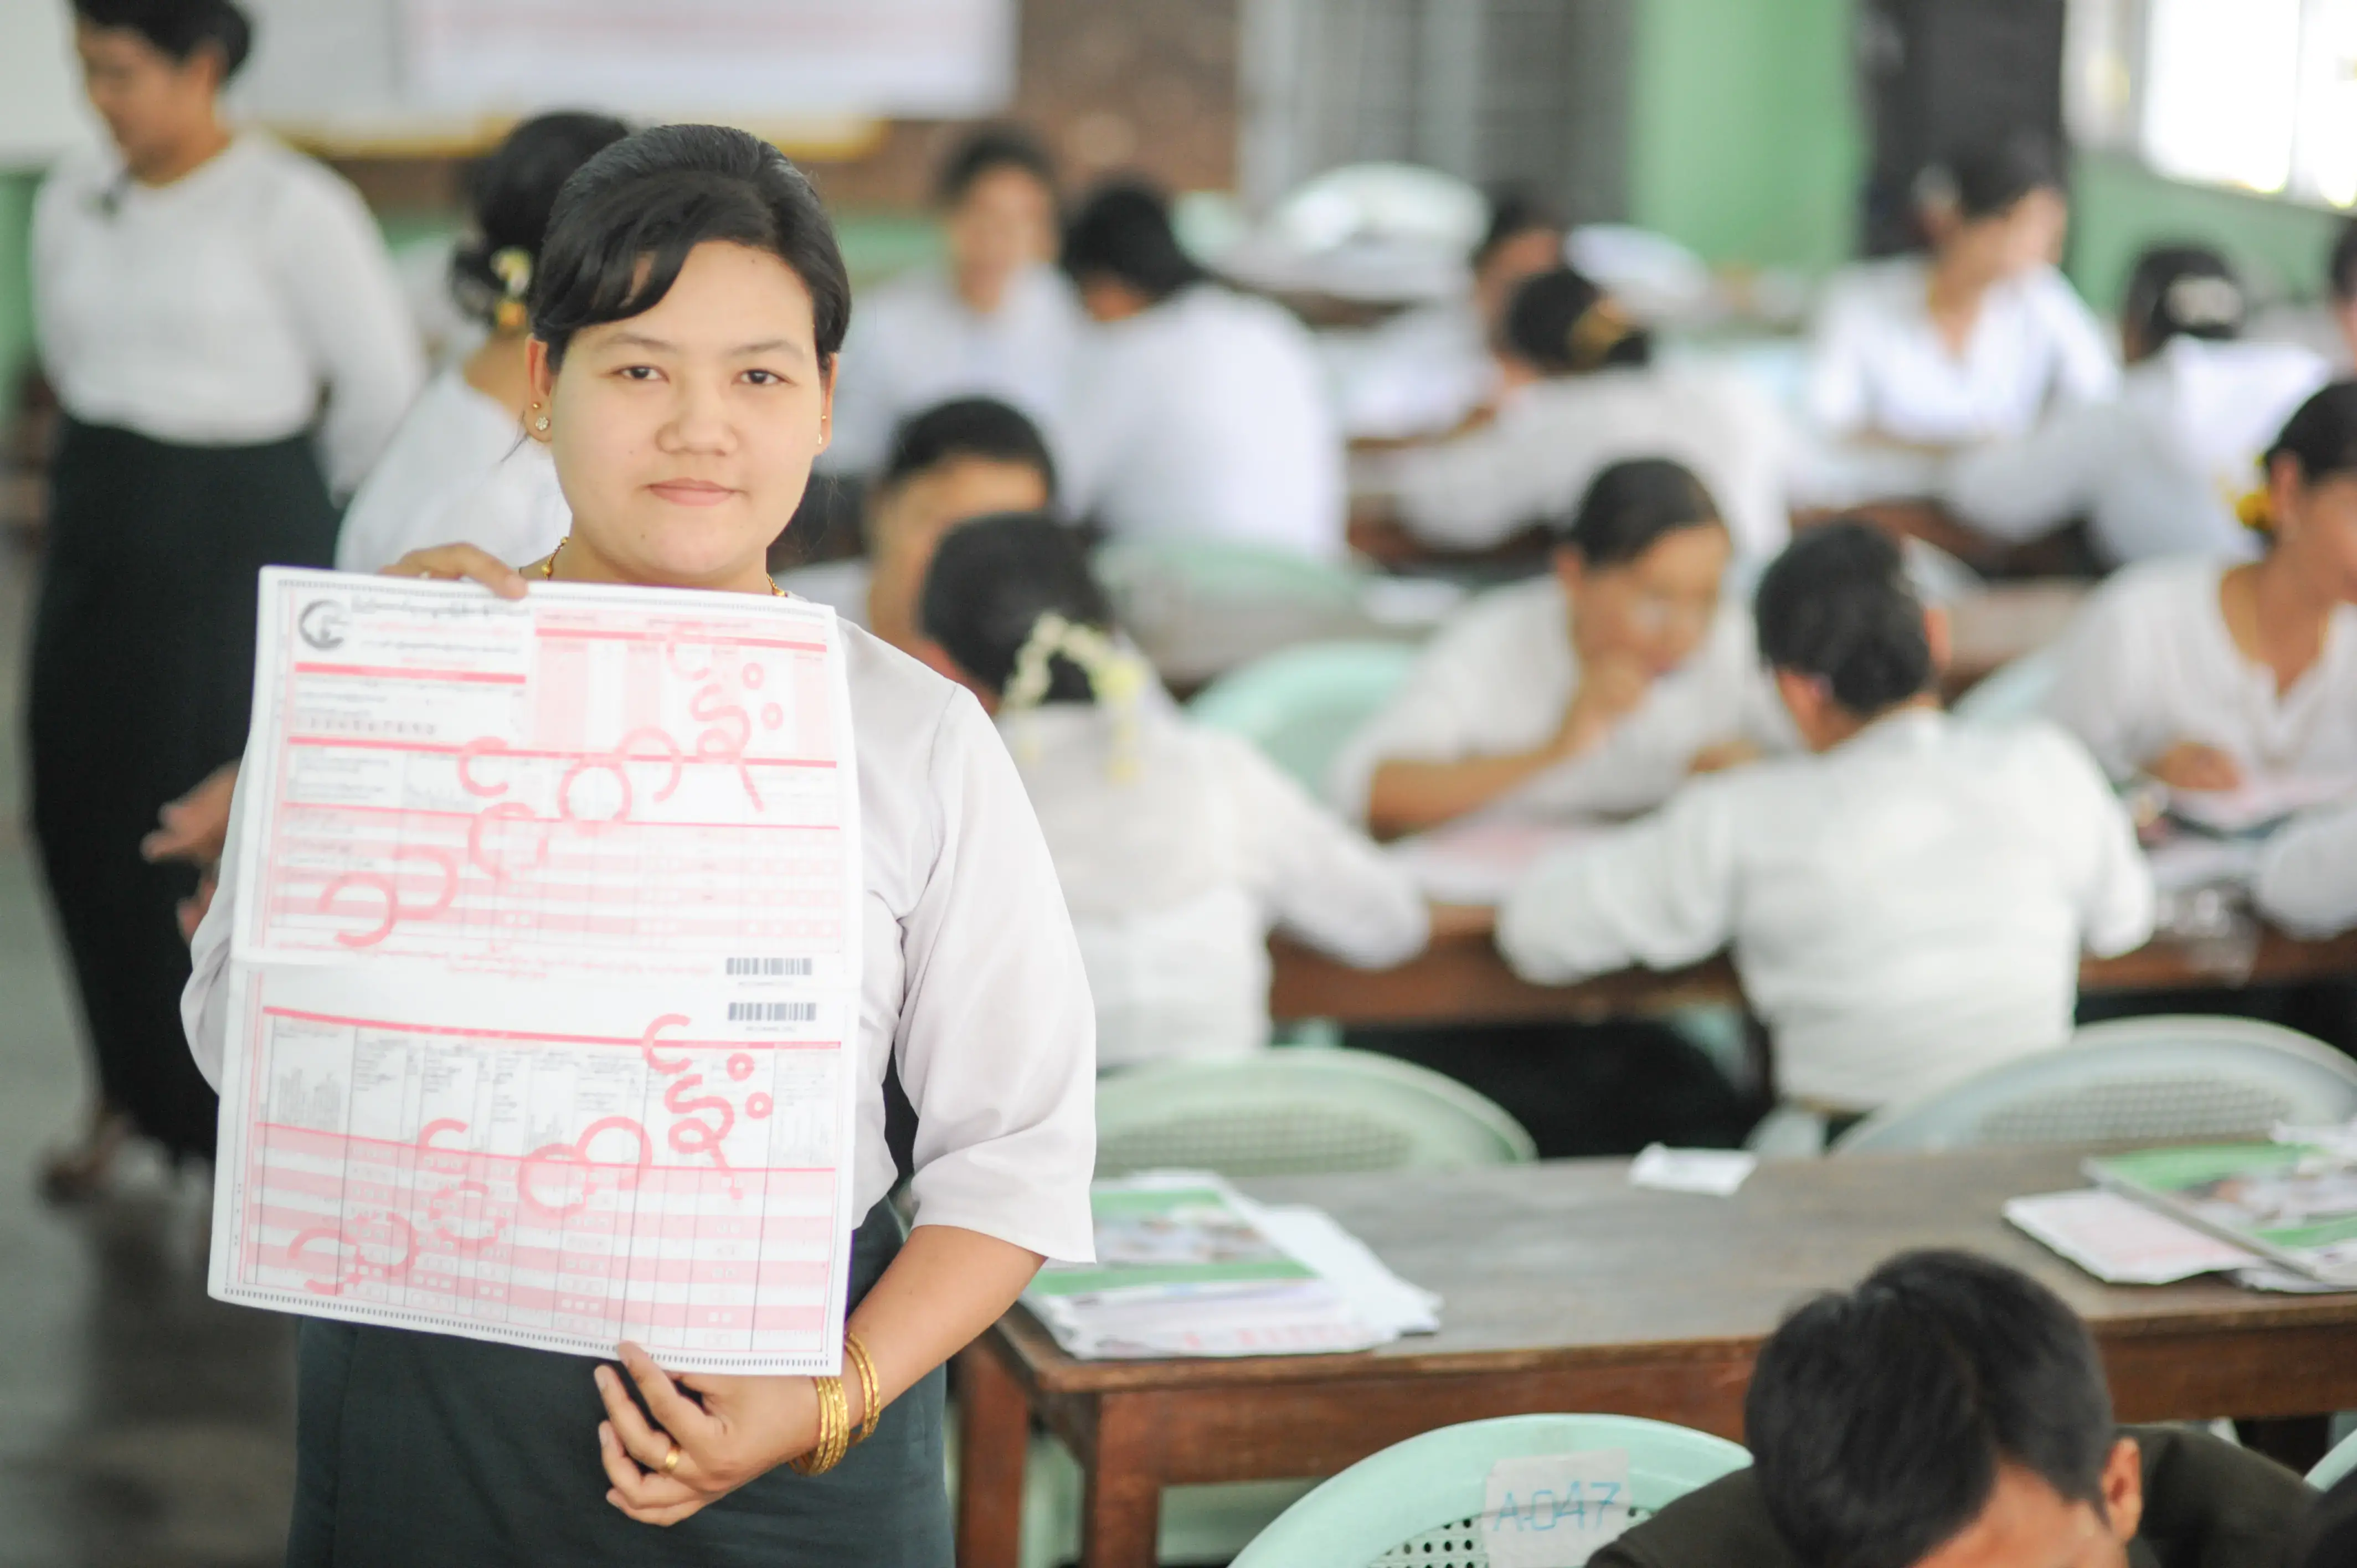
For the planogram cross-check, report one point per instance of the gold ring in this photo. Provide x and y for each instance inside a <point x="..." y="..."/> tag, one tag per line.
<point x="671" y="1460"/>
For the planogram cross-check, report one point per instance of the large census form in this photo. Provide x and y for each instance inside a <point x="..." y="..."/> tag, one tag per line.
<point x="545" y="968"/>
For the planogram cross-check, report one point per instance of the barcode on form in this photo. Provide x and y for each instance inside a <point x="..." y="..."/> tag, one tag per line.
<point x="772" y="1012"/>
<point x="797" y="967"/>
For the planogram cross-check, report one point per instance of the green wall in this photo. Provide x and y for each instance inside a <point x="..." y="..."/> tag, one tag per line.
<point x="15" y="285"/>
<point x="1744" y="141"/>
<point x="2119" y="207"/>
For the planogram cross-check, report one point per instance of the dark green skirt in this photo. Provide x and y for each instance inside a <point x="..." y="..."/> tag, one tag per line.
<point x="425" y="1448"/>
<point x="141" y="676"/>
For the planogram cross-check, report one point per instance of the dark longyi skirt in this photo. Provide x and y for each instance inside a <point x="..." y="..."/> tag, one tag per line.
<point x="425" y="1448"/>
<point x="141" y="676"/>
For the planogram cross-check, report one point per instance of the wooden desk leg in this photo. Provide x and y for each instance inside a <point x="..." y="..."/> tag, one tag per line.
<point x="994" y="1436"/>
<point x="1121" y="1518"/>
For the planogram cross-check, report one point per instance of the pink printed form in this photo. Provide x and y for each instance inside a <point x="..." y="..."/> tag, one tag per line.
<point x="546" y="974"/>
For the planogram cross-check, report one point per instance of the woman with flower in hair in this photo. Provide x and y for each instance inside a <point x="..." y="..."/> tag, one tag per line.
<point x="459" y="468"/>
<point x="1178" y="847"/>
<point x="2203" y="675"/>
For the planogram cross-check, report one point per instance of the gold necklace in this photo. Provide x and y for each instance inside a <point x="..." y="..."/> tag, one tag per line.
<point x="548" y="567"/>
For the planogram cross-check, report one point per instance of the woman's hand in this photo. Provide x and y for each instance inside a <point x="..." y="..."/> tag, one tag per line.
<point x="2189" y="765"/>
<point x="742" y="1429"/>
<point x="1610" y="690"/>
<point x="194" y="829"/>
<point x="456" y="563"/>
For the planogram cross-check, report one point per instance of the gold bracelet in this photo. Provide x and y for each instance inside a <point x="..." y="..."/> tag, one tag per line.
<point x="870" y="1407"/>
<point x="834" y="1430"/>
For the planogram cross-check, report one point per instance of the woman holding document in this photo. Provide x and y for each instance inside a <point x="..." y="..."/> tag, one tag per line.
<point x="686" y="313"/>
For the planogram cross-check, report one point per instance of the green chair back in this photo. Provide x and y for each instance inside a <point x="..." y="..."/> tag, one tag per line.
<point x="1299" y="1110"/>
<point x="1420" y="1501"/>
<point x="1303" y="704"/>
<point x="2335" y="1467"/>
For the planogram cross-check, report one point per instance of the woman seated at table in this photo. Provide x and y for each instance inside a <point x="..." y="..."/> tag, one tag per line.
<point x="1178" y="847"/>
<point x="1197" y="412"/>
<point x="1972" y="340"/>
<point x="1579" y="390"/>
<point x="1908" y="903"/>
<point x="459" y="468"/>
<point x="2154" y="470"/>
<point x="1591" y="690"/>
<point x="953" y="461"/>
<point x="2207" y="675"/>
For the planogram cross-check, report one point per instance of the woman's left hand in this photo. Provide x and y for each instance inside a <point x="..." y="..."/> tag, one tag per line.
<point x="741" y="1429"/>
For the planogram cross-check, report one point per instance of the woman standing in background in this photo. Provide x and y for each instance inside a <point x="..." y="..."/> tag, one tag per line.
<point x="198" y="295"/>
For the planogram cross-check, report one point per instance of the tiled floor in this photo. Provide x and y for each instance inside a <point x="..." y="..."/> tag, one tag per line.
<point x="142" y="1426"/>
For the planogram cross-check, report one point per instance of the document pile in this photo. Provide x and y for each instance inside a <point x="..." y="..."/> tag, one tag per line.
<point x="1189" y="1266"/>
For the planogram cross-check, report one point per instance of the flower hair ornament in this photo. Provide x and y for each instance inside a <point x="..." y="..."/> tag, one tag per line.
<point x="2254" y="509"/>
<point x="1116" y="678"/>
<point x="512" y="266"/>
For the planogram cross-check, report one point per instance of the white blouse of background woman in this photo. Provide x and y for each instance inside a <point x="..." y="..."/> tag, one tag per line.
<point x="460" y="469"/>
<point x="973" y="984"/>
<point x="216" y="311"/>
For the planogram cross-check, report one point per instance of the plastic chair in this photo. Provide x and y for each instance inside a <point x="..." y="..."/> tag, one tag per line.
<point x="1420" y="1501"/>
<point x="2132" y="1079"/>
<point x="1201" y="608"/>
<point x="2012" y="691"/>
<point x="1302" y="706"/>
<point x="2336" y="1465"/>
<point x="1303" y="1111"/>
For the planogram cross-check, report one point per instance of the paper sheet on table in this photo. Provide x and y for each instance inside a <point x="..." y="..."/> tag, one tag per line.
<point x="1478" y="860"/>
<point x="2260" y="802"/>
<point x="2188" y="860"/>
<point x="2121" y="1241"/>
<point x="1712" y="1173"/>
<point x="545" y="969"/>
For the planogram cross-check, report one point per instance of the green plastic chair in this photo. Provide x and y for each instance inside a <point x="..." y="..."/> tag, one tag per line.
<point x="1420" y="1501"/>
<point x="1302" y="1110"/>
<point x="1302" y="705"/>
<point x="2335" y="1467"/>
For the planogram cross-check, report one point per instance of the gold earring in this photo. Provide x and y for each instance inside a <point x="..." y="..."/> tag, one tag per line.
<point x="540" y="423"/>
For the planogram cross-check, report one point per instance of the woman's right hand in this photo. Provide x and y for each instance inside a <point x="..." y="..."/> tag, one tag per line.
<point x="460" y="563"/>
<point x="2190" y="765"/>
<point x="1611" y="688"/>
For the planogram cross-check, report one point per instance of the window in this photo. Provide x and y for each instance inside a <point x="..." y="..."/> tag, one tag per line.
<point x="2259" y="95"/>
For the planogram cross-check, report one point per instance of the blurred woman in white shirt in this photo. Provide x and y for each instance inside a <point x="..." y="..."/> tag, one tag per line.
<point x="1198" y="412"/>
<point x="225" y="333"/>
<point x="1974" y="340"/>
<point x="1178" y="847"/>
<point x="2158" y="470"/>
<point x="2207" y="675"/>
<point x="1908" y="903"/>
<point x="1592" y="689"/>
<point x="1579" y="391"/>
<point x="460" y="468"/>
<point x="997" y="320"/>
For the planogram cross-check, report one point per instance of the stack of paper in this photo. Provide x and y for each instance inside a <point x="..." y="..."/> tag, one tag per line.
<point x="1188" y="1266"/>
<point x="1480" y="860"/>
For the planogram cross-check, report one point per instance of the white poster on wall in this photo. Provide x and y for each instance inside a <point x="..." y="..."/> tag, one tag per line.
<point x="743" y="58"/>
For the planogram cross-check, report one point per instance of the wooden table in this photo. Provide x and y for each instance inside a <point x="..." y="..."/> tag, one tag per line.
<point x="1461" y="979"/>
<point x="1568" y="1290"/>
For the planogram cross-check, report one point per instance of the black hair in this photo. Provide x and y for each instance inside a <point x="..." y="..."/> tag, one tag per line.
<point x="1122" y="231"/>
<point x="1876" y="1417"/>
<point x="1562" y="323"/>
<point x="1990" y="178"/>
<point x="2341" y="267"/>
<point x="1836" y="604"/>
<point x="1630" y="505"/>
<point x="179" y="28"/>
<point x="510" y="192"/>
<point x="967" y="427"/>
<point x="991" y="580"/>
<point x="1512" y="213"/>
<point x="625" y="223"/>
<point x="2188" y="291"/>
<point x="992" y="147"/>
<point x="2321" y="434"/>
